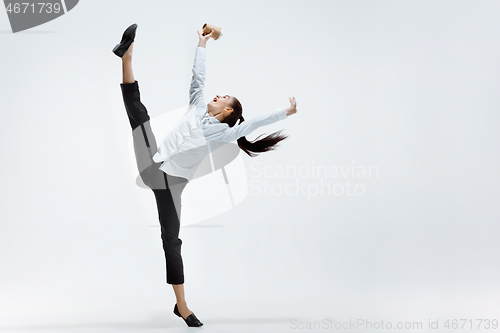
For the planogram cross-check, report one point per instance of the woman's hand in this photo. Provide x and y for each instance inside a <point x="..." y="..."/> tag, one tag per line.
<point x="204" y="37"/>
<point x="293" y="108"/>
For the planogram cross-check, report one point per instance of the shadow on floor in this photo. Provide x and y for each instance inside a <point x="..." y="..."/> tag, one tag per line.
<point x="157" y="321"/>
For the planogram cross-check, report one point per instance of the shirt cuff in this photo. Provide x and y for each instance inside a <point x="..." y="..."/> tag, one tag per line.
<point x="281" y="114"/>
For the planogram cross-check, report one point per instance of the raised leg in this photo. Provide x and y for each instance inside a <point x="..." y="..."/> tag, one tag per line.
<point x="128" y="74"/>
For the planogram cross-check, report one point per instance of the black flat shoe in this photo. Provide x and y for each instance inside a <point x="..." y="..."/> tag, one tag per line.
<point x="127" y="39"/>
<point x="191" y="320"/>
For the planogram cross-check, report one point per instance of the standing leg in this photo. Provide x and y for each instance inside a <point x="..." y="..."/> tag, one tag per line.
<point x="169" y="212"/>
<point x="181" y="300"/>
<point x="166" y="188"/>
<point x="169" y="223"/>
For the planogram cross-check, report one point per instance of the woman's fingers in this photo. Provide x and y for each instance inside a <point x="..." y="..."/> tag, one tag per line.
<point x="294" y="104"/>
<point x="204" y="34"/>
<point x="293" y="108"/>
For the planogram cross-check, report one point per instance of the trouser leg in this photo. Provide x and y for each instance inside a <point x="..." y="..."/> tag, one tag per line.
<point x="136" y="111"/>
<point x="169" y="212"/>
<point x="143" y="138"/>
<point x="145" y="146"/>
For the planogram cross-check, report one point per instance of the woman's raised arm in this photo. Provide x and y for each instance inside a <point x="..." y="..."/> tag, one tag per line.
<point x="198" y="79"/>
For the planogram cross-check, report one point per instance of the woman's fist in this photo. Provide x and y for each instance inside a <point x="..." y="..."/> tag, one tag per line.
<point x="205" y="36"/>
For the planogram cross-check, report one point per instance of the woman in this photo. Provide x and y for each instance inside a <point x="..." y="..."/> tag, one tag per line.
<point x="167" y="168"/>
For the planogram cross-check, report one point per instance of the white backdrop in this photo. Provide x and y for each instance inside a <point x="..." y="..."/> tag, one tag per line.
<point x="397" y="100"/>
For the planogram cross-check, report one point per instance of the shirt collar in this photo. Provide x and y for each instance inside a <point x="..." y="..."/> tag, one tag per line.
<point x="209" y="120"/>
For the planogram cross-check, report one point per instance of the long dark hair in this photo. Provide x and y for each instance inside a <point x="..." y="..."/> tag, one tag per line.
<point x="252" y="148"/>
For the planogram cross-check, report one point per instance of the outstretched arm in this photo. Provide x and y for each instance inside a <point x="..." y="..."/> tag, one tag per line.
<point x="248" y="126"/>
<point x="199" y="70"/>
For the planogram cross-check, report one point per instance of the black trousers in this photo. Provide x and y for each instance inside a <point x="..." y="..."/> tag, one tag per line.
<point x="166" y="188"/>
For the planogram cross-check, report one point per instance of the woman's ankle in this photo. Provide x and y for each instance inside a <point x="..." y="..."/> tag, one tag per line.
<point x="128" y="54"/>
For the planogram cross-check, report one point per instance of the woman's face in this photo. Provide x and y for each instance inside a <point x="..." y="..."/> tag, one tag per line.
<point x="218" y="104"/>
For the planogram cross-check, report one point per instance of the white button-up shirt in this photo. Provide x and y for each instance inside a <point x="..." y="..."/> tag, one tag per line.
<point x="191" y="140"/>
